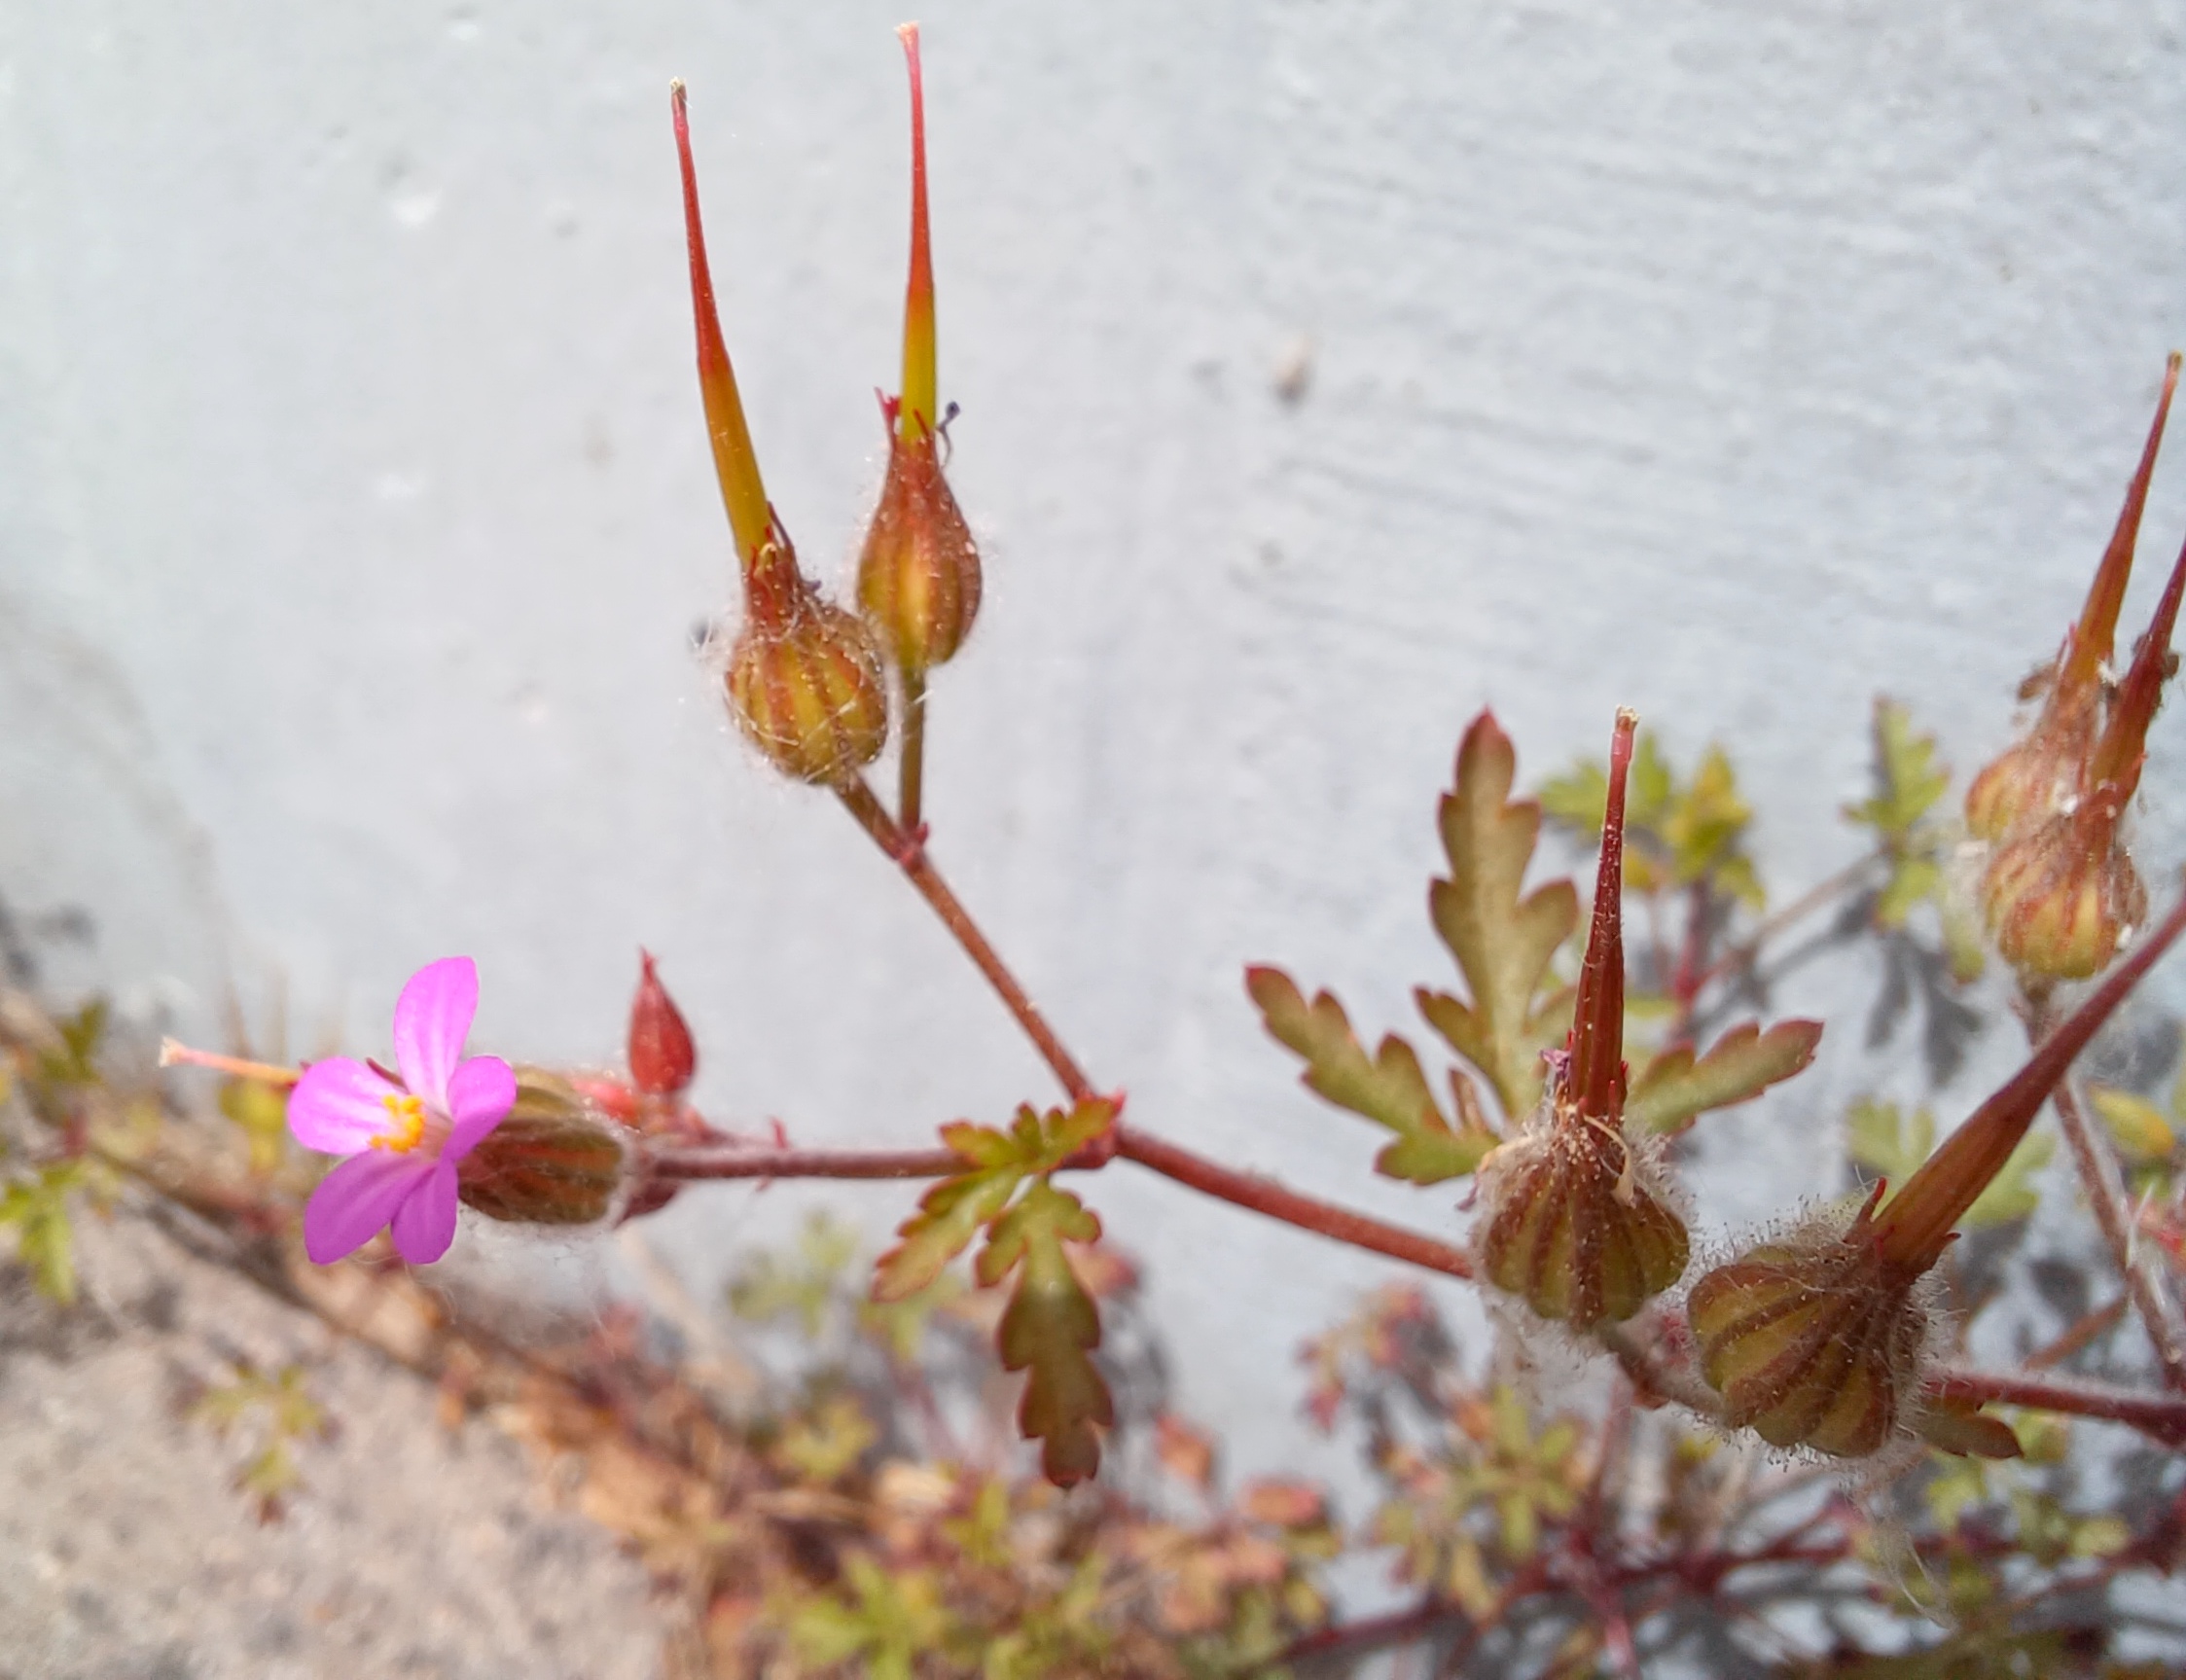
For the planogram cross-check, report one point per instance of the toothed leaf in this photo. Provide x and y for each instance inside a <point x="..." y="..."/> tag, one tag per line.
<point x="1049" y="1329"/>
<point x="1501" y="935"/>
<point x="1907" y="782"/>
<point x="1674" y="1090"/>
<point x="1387" y="1088"/>
<point x="953" y="1210"/>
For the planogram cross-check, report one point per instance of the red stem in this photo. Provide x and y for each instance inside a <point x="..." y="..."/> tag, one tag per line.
<point x="909" y="856"/>
<point x="1265" y="1195"/>
<point x="2162" y="1418"/>
<point x="1244" y="1190"/>
<point x="2106" y="1197"/>
<point x="719" y="1160"/>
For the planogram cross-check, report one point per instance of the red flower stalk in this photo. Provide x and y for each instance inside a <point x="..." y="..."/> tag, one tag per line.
<point x="804" y="677"/>
<point x="1578" y="1221"/>
<point x="1816" y="1340"/>
<point x="661" y="1055"/>
<point x="2044" y="771"/>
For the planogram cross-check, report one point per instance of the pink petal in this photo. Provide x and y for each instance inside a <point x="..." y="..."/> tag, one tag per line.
<point x="479" y="1099"/>
<point x="425" y="1223"/>
<point x="340" y="1106"/>
<point x="356" y="1199"/>
<point x="432" y="1019"/>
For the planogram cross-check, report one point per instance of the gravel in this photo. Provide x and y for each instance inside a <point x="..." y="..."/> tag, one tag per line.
<point x="410" y="1550"/>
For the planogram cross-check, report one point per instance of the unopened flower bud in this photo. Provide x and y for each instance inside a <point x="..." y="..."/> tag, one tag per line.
<point x="1816" y="1339"/>
<point x="918" y="578"/>
<point x="661" y="1055"/>
<point x="804" y="682"/>
<point x="554" y="1160"/>
<point x="1578" y="1222"/>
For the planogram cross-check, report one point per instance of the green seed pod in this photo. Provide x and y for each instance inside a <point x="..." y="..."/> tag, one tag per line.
<point x="2062" y="895"/>
<point x="1578" y="1222"/>
<point x="1813" y="1342"/>
<point x="804" y="682"/>
<point x="1574" y="1231"/>
<point x="918" y="578"/>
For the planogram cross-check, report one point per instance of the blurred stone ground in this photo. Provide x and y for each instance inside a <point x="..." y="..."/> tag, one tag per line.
<point x="411" y="1551"/>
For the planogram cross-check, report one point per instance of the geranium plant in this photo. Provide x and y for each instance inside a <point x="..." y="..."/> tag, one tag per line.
<point x="1756" y="1426"/>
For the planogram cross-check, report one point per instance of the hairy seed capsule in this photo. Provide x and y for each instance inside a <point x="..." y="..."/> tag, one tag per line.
<point x="2034" y="778"/>
<point x="805" y="683"/>
<point x="1572" y="1233"/>
<point x="1816" y="1339"/>
<point x="1578" y="1222"/>
<point x="2062" y="896"/>
<point x="554" y="1160"/>
<point x="918" y="578"/>
<point x="2047" y="772"/>
<point x="1811" y="1342"/>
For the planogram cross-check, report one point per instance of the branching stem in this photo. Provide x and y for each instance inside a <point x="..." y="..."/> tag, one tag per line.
<point x="2106" y="1191"/>
<point x="1243" y="1188"/>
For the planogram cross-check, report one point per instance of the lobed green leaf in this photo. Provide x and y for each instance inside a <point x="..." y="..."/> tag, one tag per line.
<point x="1387" y="1088"/>
<point x="954" y="1209"/>
<point x="1674" y="1090"/>
<point x="1050" y="1327"/>
<point x="1908" y="780"/>
<point x="1502" y="937"/>
<point x="37" y="1206"/>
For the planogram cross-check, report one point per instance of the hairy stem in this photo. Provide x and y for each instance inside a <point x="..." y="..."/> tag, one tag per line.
<point x="1245" y="1189"/>
<point x="909" y="856"/>
<point x="2162" y="1418"/>
<point x="1266" y="1195"/>
<point x="2107" y="1193"/>
<point x="727" y="1160"/>
<point x="910" y="796"/>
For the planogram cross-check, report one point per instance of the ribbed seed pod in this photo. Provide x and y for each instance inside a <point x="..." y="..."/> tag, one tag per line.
<point x="2062" y="896"/>
<point x="1816" y="1339"/>
<point x="2046" y="772"/>
<point x="1570" y="1233"/>
<point x="1811" y="1344"/>
<point x="554" y="1160"/>
<point x="1576" y="1220"/>
<point x="2039" y="776"/>
<point x="805" y="683"/>
<point x="918" y="578"/>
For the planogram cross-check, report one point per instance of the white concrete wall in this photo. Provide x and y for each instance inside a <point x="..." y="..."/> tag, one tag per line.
<point x="1731" y="361"/>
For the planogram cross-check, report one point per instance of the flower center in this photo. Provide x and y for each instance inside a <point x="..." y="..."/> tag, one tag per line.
<point x="409" y="1130"/>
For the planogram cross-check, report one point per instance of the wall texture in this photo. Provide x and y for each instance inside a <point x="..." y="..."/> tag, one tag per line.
<point x="355" y="512"/>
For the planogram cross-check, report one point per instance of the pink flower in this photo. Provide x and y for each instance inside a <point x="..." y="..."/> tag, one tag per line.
<point x="404" y="1141"/>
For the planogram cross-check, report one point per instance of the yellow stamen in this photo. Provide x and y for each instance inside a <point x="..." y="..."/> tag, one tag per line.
<point x="408" y="1114"/>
